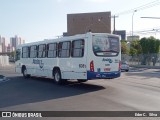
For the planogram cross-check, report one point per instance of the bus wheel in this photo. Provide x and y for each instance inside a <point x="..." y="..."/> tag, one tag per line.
<point x="81" y="80"/>
<point x="57" y="76"/>
<point x="24" y="72"/>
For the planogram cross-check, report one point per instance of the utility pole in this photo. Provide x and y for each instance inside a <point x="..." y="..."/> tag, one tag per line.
<point x="114" y="23"/>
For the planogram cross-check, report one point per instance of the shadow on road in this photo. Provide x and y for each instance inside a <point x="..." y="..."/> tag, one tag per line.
<point x="18" y="90"/>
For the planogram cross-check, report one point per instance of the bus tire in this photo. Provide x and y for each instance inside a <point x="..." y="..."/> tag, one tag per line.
<point x="81" y="80"/>
<point x="24" y="72"/>
<point x="57" y="76"/>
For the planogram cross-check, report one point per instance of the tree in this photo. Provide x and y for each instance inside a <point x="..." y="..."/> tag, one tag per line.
<point x="13" y="54"/>
<point x="124" y="47"/>
<point x="150" y="45"/>
<point x="154" y="45"/>
<point x="150" y="49"/>
<point x="145" y="45"/>
<point x="133" y="51"/>
<point x="135" y="48"/>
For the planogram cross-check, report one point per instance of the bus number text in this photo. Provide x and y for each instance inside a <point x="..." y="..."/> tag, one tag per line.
<point x="82" y="66"/>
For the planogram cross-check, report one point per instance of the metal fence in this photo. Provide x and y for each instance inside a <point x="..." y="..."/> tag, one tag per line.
<point x="143" y="59"/>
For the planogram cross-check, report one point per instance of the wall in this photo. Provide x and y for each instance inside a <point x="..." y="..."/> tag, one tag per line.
<point x="99" y="22"/>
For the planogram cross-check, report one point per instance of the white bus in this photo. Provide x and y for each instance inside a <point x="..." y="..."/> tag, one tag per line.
<point x="82" y="57"/>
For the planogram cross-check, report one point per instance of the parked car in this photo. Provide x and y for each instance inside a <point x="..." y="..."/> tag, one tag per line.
<point x="12" y="59"/>
<point x="2" y="78"/>
<point x="125" y="66"/>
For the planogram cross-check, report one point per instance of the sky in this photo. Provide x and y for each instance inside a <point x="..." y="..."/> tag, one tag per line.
<point x="35" y="20"/>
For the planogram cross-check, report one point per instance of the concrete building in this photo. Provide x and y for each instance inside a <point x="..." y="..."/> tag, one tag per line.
<point x="14" y="41"/>
<point x="99" y="22"/>
<point x="10" y="48"/>
<point x="3" y="43"/>
<point x="122" y="33"/>
<point x="135" y="37"/>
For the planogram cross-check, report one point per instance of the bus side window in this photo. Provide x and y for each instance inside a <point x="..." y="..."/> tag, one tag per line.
<point x="78" y="48"/>
<point x="59" y="49"/>
<point x="64" y="49"/>
<point x="33" y="51"/>
<point x="52" y="50"/>
<point x="25" y="52"/>
<point x="42" y="51"/>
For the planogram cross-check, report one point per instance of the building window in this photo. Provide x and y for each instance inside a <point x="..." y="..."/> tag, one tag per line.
<point x="33" y="51"/>
<point x="78" y="48"/>
<point x="64" y="49"/>
<point x="42" y="51"/>
<point x="25" y="52"/>
<point x="52" y="50"/>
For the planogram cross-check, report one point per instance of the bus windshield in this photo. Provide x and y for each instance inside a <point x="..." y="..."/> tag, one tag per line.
<point x="106" y="45"/>
<point x="18" y="53"/>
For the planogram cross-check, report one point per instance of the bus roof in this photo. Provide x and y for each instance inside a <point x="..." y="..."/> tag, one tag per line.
<point x="65" y="38"/>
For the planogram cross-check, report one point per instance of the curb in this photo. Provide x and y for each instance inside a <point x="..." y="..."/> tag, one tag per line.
<point x="145" y="66"/>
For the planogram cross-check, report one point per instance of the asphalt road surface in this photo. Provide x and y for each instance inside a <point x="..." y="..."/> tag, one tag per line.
<point x="137" y="90"/>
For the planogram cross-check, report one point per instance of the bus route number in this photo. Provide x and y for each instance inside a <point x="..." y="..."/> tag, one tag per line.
<point x="82" y="66"/>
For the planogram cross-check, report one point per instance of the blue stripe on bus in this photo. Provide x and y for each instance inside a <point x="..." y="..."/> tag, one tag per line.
<point x="102" y="75"/>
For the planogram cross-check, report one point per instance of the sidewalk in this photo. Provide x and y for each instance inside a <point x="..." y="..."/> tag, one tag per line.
<point x="145" y="66"/>
<point x="5" y="67"/>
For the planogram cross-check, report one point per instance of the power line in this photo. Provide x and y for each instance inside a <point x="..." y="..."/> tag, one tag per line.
<point x="151" y="17"/>
<point x="147" y="31"/>
<point x="142" y="7"/>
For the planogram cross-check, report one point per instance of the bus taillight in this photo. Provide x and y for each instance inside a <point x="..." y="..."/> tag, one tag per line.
<point x="92" y="66"/>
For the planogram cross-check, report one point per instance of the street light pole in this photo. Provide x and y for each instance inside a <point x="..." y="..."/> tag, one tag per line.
<point x="132" y="22"/>
<point x="151" y="17"/>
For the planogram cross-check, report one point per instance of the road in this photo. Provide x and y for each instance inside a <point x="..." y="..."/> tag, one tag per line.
<point x="137" y="90"/>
